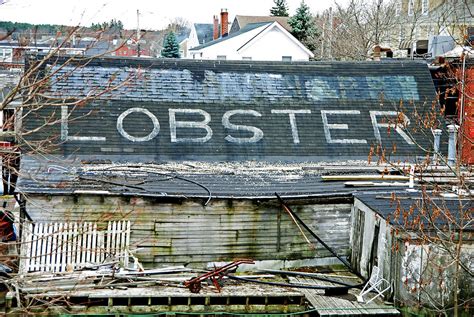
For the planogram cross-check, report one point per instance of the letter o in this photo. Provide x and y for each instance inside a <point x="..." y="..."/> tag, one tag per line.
<point x="151" y="135"/>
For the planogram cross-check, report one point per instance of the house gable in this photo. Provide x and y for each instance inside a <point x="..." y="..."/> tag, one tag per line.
<point x="275" y="33"/>
<point x="269" y="41"/>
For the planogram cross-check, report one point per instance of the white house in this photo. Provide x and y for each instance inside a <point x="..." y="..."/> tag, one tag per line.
<point x="201" y="33"/>
<point x="267" y="41"/>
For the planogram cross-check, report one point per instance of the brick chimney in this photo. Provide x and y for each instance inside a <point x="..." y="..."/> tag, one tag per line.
<point x="377" y="53"/>
<point x="215" y="31"/>
<point x="224" y="22"/>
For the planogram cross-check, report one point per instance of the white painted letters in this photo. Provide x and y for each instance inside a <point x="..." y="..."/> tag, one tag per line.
<point x="65" y="130"/>
<point x="190" y="124"/>
<point x="338" y="126"/>
<point x="377" y="125"/>
<point x="257" y="133"/>
<point x="294" y="127"/>
<point x="151" y="135"/>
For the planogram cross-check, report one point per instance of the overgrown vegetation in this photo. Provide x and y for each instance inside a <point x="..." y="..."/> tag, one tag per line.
<point x="170" y="47"/>
<point x="303" y="26"/>
<point x="9" y="26"/>
<point x="280" y="9"/>
<point x="113" y="25"/>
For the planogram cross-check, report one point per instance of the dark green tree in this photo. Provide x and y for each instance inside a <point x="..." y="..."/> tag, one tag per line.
<point x="280" y="9"/>
<point x="303" y="26"/>
<point x="170" y="47"/>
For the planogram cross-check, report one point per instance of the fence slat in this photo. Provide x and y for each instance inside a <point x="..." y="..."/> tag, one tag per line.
<point x="122" y="242"/>
<point x="127" y="244"/>
<point x="69" y="235"/>
<point x="25" y="249"/>
<point x="88" y="242"/>
<point x="74" y="245"/>
<point x="79" y="245"/>
<point x="101" y="246"/>
<point x="43" y="247"/>
<point x="34" y="247"/>
<point x="56" y="247"/>
<point x="107" y="239"/>
<point x="84" y="244"/>
<point x="94" y="243"/>
<point x="63" y="235"/>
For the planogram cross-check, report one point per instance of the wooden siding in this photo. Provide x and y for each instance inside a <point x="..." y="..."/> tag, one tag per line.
<point x="401" y="259"/>
<point x="164" y="233"/>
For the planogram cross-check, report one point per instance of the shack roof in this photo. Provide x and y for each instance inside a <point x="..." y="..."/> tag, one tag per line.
<point x="174" y="110"/>
<point x="403" y="208"/>
<point x="249" y="129"/>
<point x="252" y="180"/>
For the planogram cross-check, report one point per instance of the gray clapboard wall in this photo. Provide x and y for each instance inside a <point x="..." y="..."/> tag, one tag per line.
<point x="165" y="233"/>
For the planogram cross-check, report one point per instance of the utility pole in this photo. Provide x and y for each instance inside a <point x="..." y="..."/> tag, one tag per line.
<point x="323" y="42"/>
<point x="138" y="33"/>
<point x="330" y="31"/>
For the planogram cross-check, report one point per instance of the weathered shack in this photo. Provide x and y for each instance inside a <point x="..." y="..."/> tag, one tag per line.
<point x="193" y="152"/>
<point x="421" y="242"/>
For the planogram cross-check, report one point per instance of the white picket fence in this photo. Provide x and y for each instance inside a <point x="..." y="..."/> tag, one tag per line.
<point x="60" y="247"/>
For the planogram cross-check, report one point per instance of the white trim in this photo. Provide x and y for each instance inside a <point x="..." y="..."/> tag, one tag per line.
<point x="282" y="29"/>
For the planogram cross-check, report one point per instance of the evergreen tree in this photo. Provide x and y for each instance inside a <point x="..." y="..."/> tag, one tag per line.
<point x="280" y="9"/>
<point x="170" y="47"/>
<point x="303" y="26"/>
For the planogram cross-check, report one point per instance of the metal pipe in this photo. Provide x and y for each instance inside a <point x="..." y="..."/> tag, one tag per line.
<point x="436" y="142"/>
<point x="452" y="129"/>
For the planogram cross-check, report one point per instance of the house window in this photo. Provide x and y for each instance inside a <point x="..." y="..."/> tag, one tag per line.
<point x="411" y="4"/>
<point x="286" y="58"/>
<point x="6" y="55"/>
<point x="221" y="57"/>
<point x="425" y="6"/>
<point x="247" y="58"/>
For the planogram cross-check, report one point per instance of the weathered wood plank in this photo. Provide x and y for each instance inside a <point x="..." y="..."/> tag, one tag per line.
<point x="217" y="230"/>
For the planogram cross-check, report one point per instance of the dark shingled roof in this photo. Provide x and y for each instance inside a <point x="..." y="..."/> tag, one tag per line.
<point x="220" y="114"/>
<point x="241" y="21"/>
<point x="204" y="32"/>
<point x="179" y="179"/>
<point x="401" y="208"/>
<point x="182" y="35"/>
<point x="247" y="105"/>
<point x="247" y="28"/>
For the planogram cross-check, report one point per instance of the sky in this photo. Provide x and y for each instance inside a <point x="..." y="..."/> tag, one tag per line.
<point x="154" y="14"/>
